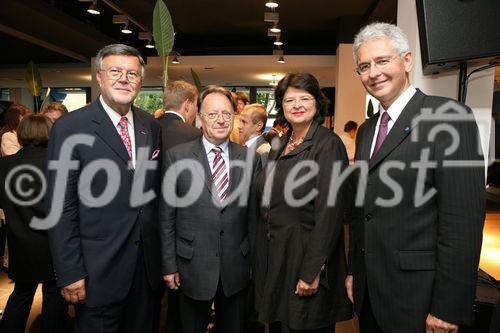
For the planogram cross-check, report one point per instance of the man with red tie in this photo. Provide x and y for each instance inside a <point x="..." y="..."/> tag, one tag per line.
<point x="106" y="248"/>
<point x="207" y="221"/>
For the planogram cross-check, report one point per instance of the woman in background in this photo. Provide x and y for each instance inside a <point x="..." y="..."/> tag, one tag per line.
<point x="30" y="261"/>
<point x="300" y="258"/>
<point x="9" y="143"/>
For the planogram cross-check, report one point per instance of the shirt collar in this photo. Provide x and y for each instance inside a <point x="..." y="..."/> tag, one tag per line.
<point x="177" y="114"/>
<point x="115" y="116"/>
<point x="251" y="141"/>
<point x="399" y="104"/>
<point x="209" y="146"/>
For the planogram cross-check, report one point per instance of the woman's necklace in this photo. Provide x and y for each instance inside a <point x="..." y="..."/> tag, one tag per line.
<point x="292" y="143"/>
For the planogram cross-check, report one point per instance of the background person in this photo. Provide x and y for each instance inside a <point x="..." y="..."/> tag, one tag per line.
<point x="253" y="120"/>
<point x="54" y="110"/>
<point x="413" y="265"/>
<point x="241" y="100"/>
<point x="30" y="262"/>
<point x="300" y="257"/>
<point x="177" y="122"/>
<point x="348" y="139"/>
<point x="8" y="137"/>
<point x="107" y="258"/>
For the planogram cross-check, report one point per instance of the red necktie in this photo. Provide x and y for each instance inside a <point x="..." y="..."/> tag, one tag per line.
<point x="219" y="174"/>
<point x="125" y="136"/>
<point x="382" y="133"/>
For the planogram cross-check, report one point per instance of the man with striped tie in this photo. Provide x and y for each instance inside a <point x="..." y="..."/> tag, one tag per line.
<point x="207" y="219"/>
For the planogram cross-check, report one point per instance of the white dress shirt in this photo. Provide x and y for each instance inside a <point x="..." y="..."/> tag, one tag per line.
<point x="394" y="112"/>
<point x="115" y="119"/>
<point x="211" y="154"/>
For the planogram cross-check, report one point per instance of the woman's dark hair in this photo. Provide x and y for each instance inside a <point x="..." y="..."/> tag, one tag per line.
<point x="303" y="81"/>
<point x="34" y="130"/>
<point x="11" y="120"/>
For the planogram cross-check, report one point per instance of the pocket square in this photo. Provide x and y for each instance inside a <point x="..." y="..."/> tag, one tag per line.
<point x="155" y="154"/>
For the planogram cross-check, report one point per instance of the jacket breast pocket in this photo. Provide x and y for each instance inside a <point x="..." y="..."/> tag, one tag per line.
<point x="185" y="245"/>
<point x="245" y="247"/>
<point x="417" y="260"/>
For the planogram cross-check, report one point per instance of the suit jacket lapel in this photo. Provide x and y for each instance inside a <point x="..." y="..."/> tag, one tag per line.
<point x="234" y="173"/>
<point x="201" y="156"/>
<point x="401" y="129"/>
<point x="365" y="145"/>
<point x="142" y="138"/>
<point x="107" y="132"/>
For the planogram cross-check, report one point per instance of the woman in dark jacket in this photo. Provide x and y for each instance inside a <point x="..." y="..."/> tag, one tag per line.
<point x="300" y="259"/>
<point x="30" y="261"/>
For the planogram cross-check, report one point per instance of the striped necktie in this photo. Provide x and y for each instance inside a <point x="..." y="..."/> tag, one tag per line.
<point x="219" y="174"/>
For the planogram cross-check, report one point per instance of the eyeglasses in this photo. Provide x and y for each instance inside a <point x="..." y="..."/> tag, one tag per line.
<point x="116" y="73"/>
<point x="380" y="63"/>
<point x="215" y="115"/>
<point x="301" y="101"/>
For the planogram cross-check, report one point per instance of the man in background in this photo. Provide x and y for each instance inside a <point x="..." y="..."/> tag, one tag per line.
<point x="253" y="121"/>
<point x="348" y="139"/>
<point x="177" y="122"/>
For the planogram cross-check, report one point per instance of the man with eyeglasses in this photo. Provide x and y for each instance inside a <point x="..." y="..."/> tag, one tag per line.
<point x="207" y="226"/>
<point x="107" y="253"/>
<point x="415" y="240"/>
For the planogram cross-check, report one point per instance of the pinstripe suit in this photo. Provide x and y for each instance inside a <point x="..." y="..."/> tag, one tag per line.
<point x="418" y="258"/>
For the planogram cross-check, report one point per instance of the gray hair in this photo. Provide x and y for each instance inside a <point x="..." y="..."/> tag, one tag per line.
<point x="378" y="30"/>
<point x="119" y="49"/>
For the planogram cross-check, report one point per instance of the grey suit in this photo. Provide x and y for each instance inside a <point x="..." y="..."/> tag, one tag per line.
<point x="415" y="259"/>
<point x="262" y="147"/>
<point x="209" y="245"/>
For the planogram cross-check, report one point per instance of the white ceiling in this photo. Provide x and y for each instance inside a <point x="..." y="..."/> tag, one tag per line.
<point x="223" y="70"/>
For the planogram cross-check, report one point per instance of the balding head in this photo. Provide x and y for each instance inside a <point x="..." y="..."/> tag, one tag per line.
<point x="253" y="120"/>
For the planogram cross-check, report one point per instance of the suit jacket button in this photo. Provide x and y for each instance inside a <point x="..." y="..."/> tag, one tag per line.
<point x="363" y="250"/>
<point x="368" y="217"/>
<point x="221" y="232"/>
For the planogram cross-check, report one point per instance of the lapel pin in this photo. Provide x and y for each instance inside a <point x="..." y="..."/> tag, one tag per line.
<point x="407" y="129"/>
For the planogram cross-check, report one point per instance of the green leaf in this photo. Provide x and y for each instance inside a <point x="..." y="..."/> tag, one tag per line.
<point x="33" y="79"/>
<point x="45" y="100"/>
<point x="163" y="32"/>
<point x="197" y="81"/>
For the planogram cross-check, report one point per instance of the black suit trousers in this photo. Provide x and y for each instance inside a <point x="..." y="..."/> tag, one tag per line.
<point x="229" y="312"/>
<point x="17" y="310"/>
<point x="367" y="321"/>
<point x="134" y="314"/>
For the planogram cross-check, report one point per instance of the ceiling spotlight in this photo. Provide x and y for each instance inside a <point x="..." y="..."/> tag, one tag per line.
<point x="175" y="60"/>
<point x="275" y="28"/>
<point x="93" y="8"/>
<point x="271" y="4"/>
<point x="281" y="60"/>
<point x="278" y="42"/>
<point x="146" y="35"/>
<point x="126" y="29"/>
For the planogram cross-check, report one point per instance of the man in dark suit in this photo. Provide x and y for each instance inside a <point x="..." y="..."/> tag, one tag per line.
<point x="105" y="244"/>
<point x="253" y="121"/>
<point x="179" y="99"/>
<point x="416" y="239"/>
<point x="206" y="234"/>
